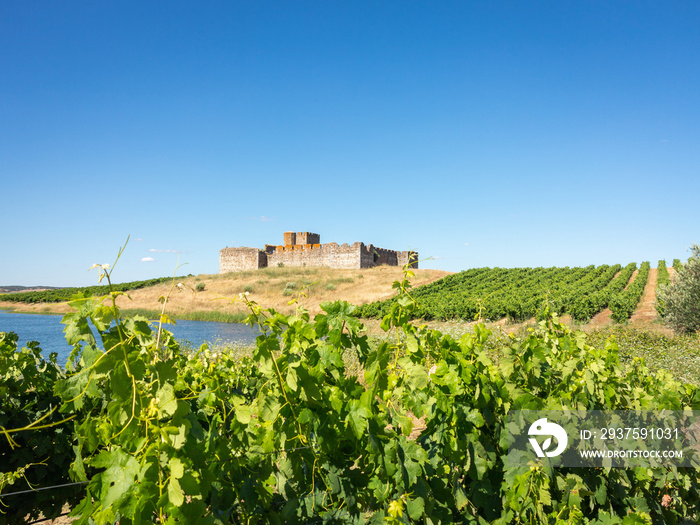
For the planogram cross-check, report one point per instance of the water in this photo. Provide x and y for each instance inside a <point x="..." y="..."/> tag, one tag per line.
<point x="48" y="331"/>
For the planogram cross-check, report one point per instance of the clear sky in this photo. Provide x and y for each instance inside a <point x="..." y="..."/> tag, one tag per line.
<point x="477" y="133"/>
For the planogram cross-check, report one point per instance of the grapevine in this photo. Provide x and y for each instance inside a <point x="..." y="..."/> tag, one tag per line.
<point x="288" y="435"/>
<point x="662" y="281"/>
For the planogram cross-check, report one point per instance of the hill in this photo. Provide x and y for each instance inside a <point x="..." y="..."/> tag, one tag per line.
<point x="18" y="289"/>
<point x="269" y="287"/>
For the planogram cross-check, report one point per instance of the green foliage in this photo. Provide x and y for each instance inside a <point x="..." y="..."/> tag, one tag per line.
<point x="682" y="296"/>
<point x="35" y="449"/>
<point x="59" y="295"/>
<point x="518" y="293"/>
<point x="199" y="287"/>
<point x="662" y="281"/>
<point x="289" y="435"/>
<point x="194" y="315"/>
<point x="677" y="353"/>
<point x="624" y="303"/>
<point x="662" y="278"/>
<point x="592" y="301"/>
<point x="677" y="265"/>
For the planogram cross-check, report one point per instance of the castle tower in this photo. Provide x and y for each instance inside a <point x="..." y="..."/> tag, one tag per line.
<point x="301" y="238"/>
<point x="305" y="249"/>
<point x="308" y="238"/>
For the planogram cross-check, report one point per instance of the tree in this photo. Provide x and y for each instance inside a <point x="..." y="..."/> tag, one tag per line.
<point x="682" y="296"/>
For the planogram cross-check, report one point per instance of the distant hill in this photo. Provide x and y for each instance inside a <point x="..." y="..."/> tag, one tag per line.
<point x="58" y="295"/>
<point x="15" y="289"/>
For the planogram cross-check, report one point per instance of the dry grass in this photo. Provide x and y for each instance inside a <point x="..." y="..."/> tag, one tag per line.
<point x="266" y="287"/>
<point x="275" y="287"/>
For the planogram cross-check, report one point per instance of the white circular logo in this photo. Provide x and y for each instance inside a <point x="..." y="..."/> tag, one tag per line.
<point x="542" y="427"/>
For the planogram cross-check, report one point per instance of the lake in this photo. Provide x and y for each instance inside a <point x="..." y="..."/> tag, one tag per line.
<point x="48" y="331"/>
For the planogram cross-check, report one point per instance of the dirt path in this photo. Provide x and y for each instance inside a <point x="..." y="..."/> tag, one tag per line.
<point x="646" y="309"/>
<point x="602" y="318"/>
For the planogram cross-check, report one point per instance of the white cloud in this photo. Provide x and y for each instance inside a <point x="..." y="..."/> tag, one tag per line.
<point x="147" y="259"/>
<point x="466" y="244"/>
<point x="263" y="218"/>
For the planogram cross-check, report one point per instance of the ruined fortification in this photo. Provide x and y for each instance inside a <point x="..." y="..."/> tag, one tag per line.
<point x="305" y="249"/>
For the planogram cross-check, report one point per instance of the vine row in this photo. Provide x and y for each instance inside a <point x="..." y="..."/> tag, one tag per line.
<point x="623" y="304"/>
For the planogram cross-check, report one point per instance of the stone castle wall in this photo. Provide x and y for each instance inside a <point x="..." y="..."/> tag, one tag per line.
<point x="331" y="255"/>
<point x="241" y="259"/>
<point x="304" y="249"/>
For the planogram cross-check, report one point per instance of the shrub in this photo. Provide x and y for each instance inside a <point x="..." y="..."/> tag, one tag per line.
<point x="199" y="287"/>
<point x="682" y="296"/>
<point x="248" y="288"/>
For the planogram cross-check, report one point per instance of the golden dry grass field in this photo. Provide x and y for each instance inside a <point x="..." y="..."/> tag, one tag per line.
<point x="269" y="287"/>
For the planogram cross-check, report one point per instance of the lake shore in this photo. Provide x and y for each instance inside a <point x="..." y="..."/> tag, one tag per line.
<point x="283" y="289"/>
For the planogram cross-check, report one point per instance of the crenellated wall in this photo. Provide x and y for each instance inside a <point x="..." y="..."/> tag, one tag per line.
<point x="305" y="249"/>
<point x="331" y="255"/>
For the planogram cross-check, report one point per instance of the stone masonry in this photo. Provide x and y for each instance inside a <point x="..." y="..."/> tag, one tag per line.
<point x="305" y="249"/>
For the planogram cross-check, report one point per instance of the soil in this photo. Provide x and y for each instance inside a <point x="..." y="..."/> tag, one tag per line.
<point x="646" y="309"/>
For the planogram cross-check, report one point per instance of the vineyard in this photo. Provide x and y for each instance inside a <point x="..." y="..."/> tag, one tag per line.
<point x="522" y="293"/>
<point x="317" y="425"/>
<point x="59" y="295"/>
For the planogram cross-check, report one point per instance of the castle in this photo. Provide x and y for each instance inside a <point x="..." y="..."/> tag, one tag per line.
<point x="305" y="249"/>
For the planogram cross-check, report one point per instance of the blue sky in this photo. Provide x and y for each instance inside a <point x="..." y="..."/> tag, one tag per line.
<point x="477" y="133"/>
